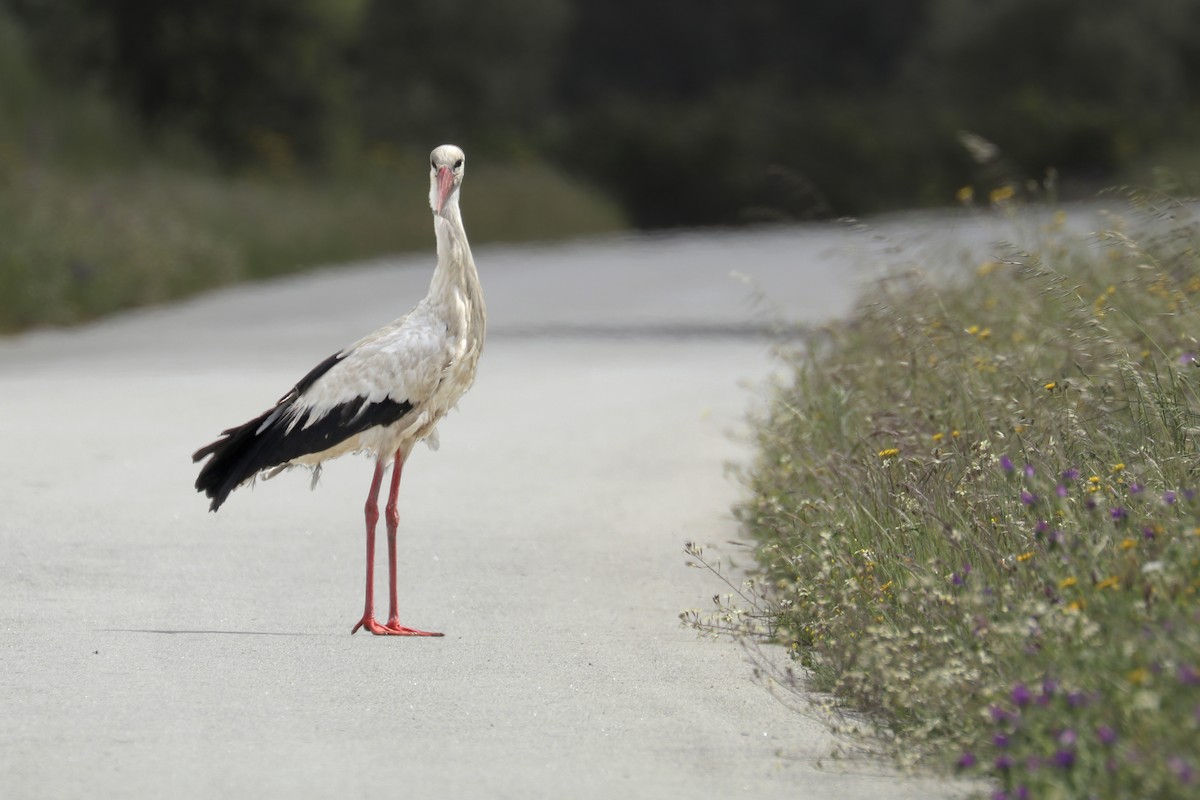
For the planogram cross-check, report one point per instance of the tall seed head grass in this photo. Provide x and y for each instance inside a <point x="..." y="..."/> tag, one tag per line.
<point x="976" y="512"/>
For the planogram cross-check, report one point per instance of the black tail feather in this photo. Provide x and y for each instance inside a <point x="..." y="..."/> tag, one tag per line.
<point x="239" y="453"/>
<point x="233" y="460"/>
<point x="277" y="437"/>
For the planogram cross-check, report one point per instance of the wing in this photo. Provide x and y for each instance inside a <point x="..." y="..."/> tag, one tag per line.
<point x="403" y="362"/>
<point x="375" y="382"/>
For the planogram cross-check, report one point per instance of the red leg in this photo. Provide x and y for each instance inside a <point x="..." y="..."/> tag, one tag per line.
<point x="372" y="516"/>
<point x="392" y="515"/>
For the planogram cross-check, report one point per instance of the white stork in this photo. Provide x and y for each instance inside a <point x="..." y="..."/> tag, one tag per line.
<point x="381" y="395"/>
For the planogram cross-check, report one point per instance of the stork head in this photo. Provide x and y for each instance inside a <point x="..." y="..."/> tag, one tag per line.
<point x="446" y="165"/>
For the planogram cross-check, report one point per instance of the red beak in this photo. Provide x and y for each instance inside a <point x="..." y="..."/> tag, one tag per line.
<point x="445" y="179"/>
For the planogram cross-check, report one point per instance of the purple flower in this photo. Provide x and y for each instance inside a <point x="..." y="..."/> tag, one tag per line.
<point x="1000" y="794"/>
<point x="1106" y="735"/>
<point x="1148" y="532"/>
<point x="1071" y="474"/>
<point x="1076" y="700"/>
<point x="1006" y="464"/>
<point x="1021" y="695"/>
<point x="1182" y="769"/>
<point x="1004" y="761"/>
<point x="1187" y="357"/>
<point x="1041" y="527"/>
<point x="1000" y="740"/>
<point x="1188" y="675"/>
<point x="1022" y="792"/>
<point x="1136" y="488"/>
<point x="1029" y="471"/>
<point x="1049" y="686"/>
<point x="1168" y="498"/>
<point x="1028" y="498"/>
<point x="1117" y="513"/>
<point x="1068" y="738"/>
<point x="1089" y="504"/>
<point x="1001" y="715"/>
<point x="1064" y="758"/>
<point x="1060" y="490"/>
<point x="966" y="760"/>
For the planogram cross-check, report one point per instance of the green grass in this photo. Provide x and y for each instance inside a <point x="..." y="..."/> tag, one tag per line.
<point x="976" y="513"/>
<point x="76" y="243"/>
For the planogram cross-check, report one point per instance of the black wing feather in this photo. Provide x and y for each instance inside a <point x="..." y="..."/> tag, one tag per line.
<point x="248" y="449"/>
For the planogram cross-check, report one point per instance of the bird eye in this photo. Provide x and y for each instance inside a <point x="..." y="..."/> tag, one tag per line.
<point x="433" y="164"/>
<point x="458" y="164"/>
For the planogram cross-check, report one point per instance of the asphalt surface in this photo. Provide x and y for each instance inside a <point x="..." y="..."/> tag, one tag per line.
<point x="149" y="648"/>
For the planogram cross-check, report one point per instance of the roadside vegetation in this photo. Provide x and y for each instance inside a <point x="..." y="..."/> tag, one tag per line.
<point x="976" y="504"/>
<point x="80" y="243"/>
<point x="100" y="211"/>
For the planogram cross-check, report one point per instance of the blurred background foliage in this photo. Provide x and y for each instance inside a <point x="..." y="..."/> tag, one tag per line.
<point x="654" y="113"/>
<point x="685" y="111"/>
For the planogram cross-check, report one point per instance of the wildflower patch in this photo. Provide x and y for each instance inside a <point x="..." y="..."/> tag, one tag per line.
<point x="1028" y="611"/>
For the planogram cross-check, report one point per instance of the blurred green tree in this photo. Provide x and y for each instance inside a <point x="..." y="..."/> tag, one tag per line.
<point x="1082" y="85"/>
<point x="453" y="70"/>
<point x="703" y="111"/>
<point x="688" y="112"/>
<point x="257" y="81"/>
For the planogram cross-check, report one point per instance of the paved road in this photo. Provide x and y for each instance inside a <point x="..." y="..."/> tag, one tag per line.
<point x="149" y="648"/>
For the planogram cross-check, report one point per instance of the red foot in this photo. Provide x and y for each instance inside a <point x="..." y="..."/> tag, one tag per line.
<point x="393" y="625"/>
<point x="392" y="628"/>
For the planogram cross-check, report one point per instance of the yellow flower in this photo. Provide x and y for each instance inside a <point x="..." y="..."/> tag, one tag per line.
<point x="1138" y="676"/>
<point x="1109" y="583"/>
<point x="954" y="434"/>
<point x="1118" y="467"/>
<point x="965" y="195"/>
<point x="1067" y="582"/>
<point x="985" y="333"/>
<point x="1094" y="479"/>
<point x="1028" y="554"/>
<point x="937" y="437"/>
<point x="974" y="329"/>
<point x="1128" y="544"/>
<point x="1076" y="606"/>
<point x="1002" y="194"/>
<point x="1049" y="387"/>
<point x="889" y="452"/>
<point x="986" y="268"/>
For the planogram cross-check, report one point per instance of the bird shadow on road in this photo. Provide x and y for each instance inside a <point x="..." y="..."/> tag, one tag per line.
<point x="207" y="633"/>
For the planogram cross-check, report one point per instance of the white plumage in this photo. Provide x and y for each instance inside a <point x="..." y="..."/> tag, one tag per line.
<point x="381" y="394"/>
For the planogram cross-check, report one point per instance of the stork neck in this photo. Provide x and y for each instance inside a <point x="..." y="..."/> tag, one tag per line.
<point x="455" y="265"/>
